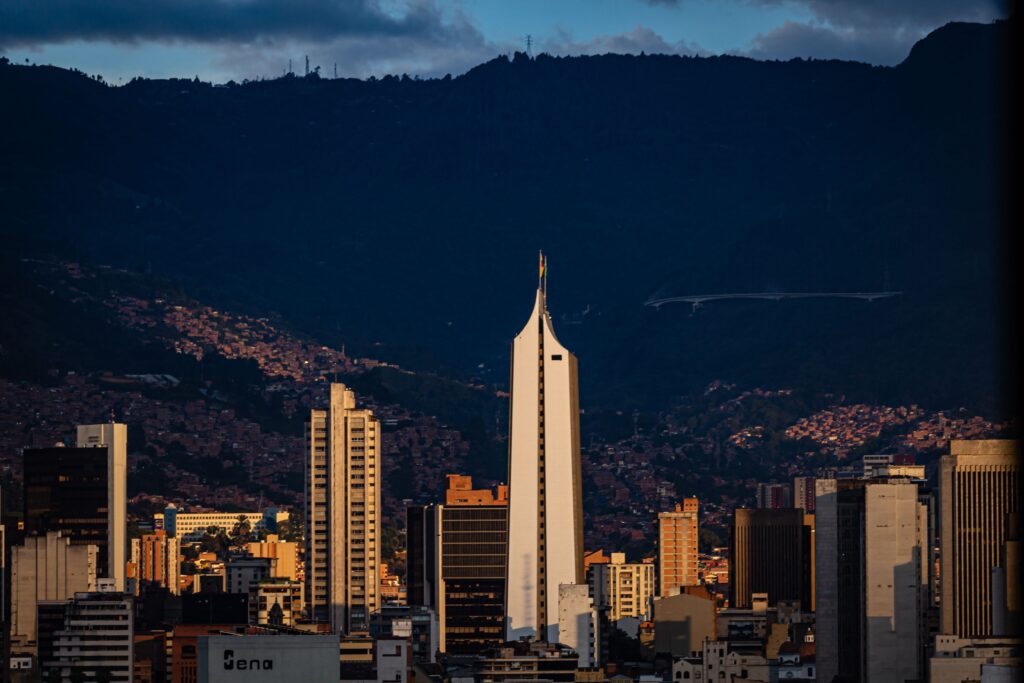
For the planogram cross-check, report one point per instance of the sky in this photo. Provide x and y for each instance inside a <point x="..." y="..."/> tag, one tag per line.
<point x="222" y="40"/>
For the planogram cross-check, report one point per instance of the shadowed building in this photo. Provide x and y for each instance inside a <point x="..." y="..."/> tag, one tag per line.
<point x="874" y="570"/>
<point x="545" y="542"/>
<point x="456" y="565"/>
<point x="81" y="492"/>
<point x="771" y="551"/>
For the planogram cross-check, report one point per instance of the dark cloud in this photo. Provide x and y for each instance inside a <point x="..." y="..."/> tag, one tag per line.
<point x="901" y="14"/>
<point x="874" y="31"/>
<point x="640" y="39"/>
<point x="795" y="39"/>
<point x="32" y="22"/>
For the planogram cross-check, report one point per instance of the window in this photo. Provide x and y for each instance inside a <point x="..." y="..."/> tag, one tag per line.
<point x="556" y="356"/>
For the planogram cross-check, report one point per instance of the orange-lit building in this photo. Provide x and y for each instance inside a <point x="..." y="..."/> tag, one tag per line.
<point x="460" y="491"/>
<point x="594" y="557"/>
<point x="678" y="533"/>
<point x="284" y="557"/>
<point x="156" y="559"/>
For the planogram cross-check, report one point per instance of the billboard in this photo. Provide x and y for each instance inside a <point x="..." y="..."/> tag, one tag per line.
<point x="306" y="658"/>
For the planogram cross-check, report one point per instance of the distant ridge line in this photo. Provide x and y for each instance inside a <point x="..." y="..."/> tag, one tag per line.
<point x="699" y="299"/>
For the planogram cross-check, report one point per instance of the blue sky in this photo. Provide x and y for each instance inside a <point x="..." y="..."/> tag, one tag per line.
<point x="220" y="40"/>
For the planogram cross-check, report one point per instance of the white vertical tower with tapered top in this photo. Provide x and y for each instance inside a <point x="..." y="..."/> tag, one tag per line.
<point x="545" y="529"/>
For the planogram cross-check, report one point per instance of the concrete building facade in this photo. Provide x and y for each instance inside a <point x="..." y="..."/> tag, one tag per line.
<point x="625" y="589"/>
<point x="980" y="489"/>
<point x="678" y="536"/>
<point x="343" y="523"/>
<point x="157" y="560"/>
<point x="46" y="568"/>
<point x="545" y="543"/>
<point x="578" y="624"/>
<point x="97" y="635"/>
<point x="114" y="438"/>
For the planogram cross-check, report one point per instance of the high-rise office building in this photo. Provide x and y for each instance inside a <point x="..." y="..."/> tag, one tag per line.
<point x="545" y="543"/>
<point x="156" y="557"/>
<point x="803" y="493"/>
<point x="82" y="492"/>
<point x="46" y="567"/>
<point x="772" y="551"/>
<point x="343" y="525"/>
<point x="456" y="565"/>
<point x="874" y="566"/>
<point x="979" y="488"/>
<point x="678" y="534"/>
<point x="774" y="496"/>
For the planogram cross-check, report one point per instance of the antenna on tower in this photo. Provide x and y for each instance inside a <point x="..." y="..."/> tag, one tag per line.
<point x="529" y="45"/>
<point x="335" y="69"/>
<point x="307" y="66"/>
<point x="290" y="65"/>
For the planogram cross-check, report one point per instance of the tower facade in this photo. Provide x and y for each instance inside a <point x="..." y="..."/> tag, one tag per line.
<point x="343" y="526"/>
<point x="545" y="541"/>
<point x="980" y="489"/>
<point x="678" y="532"/>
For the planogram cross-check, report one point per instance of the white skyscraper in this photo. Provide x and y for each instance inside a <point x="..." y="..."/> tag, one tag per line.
<point x="114" y="437"/>
<point x="343" y="525"/>
<point x="545" y="538"/>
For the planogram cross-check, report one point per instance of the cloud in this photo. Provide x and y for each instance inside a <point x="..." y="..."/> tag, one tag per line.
<point x="32" y="22"/>
<point x="874" y="31"/>
<point x="902" y="14"/>
<point x="640" y="39"/>
<point x="796" y="39"/>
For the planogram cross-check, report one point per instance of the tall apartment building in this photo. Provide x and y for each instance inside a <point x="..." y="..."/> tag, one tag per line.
<point x="82" y="491"/>
<point x="772" y="551"/>
<point x="97" y="636"/>
<point x="545" y="542"/>
<point x="456" y="565"/>
<point x="45" y="568"/>
<point x="343" y="524"/>
<point x="678" y="535"/>
<point x="980" y="489"/>
<point x="803" y="493"/>
<point x="874" y="566"/>
<point x="625" y="589"/>
<point x="157" y="560"/>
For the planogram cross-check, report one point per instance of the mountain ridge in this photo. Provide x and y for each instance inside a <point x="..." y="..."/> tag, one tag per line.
<point x="404" y="215"/>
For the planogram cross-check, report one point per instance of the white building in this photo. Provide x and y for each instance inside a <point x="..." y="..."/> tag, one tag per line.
<point x="252" y="659"/>
<point x="46" y="568"/>
<point x="113" y="437"/>
<point x="343" y="524"/>
<point x="192" y="526"/>
<point x="545" y="540"/>
<point x="97" y="635"/>
<point x="626" y="589"/>
<point x="975" y="659"/>
<point x="578" y="624"/>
